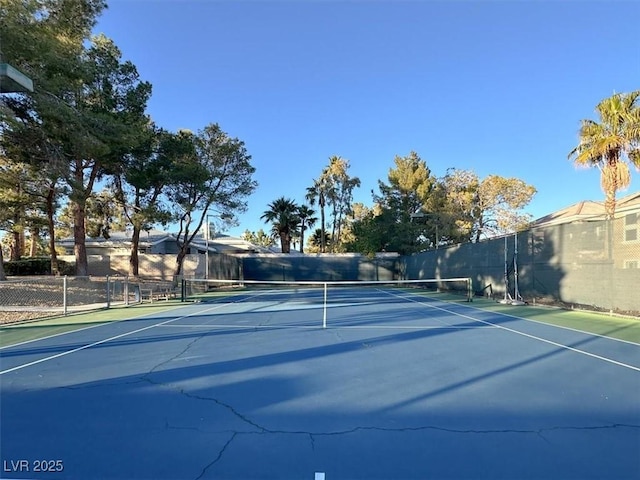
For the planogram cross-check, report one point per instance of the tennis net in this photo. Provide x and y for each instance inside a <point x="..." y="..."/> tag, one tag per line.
<point x="354" y="296"/>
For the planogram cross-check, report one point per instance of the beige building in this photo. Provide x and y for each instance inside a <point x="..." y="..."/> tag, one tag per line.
<point x="157" y="251"/>
<point x="587" y="230"/>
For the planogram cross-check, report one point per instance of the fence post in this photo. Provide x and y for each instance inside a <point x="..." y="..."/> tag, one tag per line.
<point x="64" y="295"/>
<point x="108" y="293"/>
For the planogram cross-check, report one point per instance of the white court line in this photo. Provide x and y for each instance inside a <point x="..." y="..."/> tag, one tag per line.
<point x="539" y="322"/>
<point x="217" y="306"/>
<point x="415" y="301"/>
<point x="332" y="327"/>
<point x="84" y="347"/>
<point x="544" y="340"/>
<point x="106" y="322"/>
<point x="247" y="327"/>
<point x="406" y="327"/>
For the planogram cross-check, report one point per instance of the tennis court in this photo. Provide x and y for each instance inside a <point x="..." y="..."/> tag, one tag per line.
<point x="321" y="382"/>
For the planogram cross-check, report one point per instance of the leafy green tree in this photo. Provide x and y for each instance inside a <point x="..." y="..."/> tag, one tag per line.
<point x="23" y="197"/>
<point x="284" y="217"/>
<point x="217" y="175"/>
<point x="260" y="238"/>
<point x="409" y="187"/>
<point x="449" y="211"/>
<point x="112" y="104"/>
<point x="45" y="39"/>
<point x="484" y="208"/>
<point x="611" y="144"/>
<point x="3" y="275"/>
<point x="370" y="229"/>
<point x="28" y="149"/>
<point x="307" y="220"/>
<point x="14" y="202"/>
<point x="103" y="215"/>
<point x="89" y="104"/>
<point x="144" y="177"/>
<point x="499" y="204"/>
<point x="339" y="193"/>
<point x="7" y="216"/>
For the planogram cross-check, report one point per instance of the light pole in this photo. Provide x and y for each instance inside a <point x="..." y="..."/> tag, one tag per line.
<point x="421" y="215"/>
<point x="207" y="234"/>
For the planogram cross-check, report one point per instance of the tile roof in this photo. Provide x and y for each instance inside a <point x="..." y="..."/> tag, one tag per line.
<point x="589" y="210"/>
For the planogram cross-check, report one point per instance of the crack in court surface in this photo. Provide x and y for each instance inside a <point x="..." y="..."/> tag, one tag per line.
<point x="258" y="429"/>
<point x="176" y="356"/>
<point x="101" y="385"/>
<point x="312" y="435"/>
<point x="541" y="433"/>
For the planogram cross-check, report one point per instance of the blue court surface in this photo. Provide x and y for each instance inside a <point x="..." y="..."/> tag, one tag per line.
<point x="398" y="385"/>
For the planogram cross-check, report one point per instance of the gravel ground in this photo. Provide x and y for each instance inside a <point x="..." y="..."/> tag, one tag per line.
<point x="29" y="299"/>
<point x="14" y="317"/>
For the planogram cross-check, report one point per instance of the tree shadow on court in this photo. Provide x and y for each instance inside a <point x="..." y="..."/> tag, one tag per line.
<point x="360" y="403"/>
<point x="396" y="312"/>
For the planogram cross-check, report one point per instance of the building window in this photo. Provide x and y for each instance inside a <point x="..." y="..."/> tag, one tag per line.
<point x="631" y="226"/>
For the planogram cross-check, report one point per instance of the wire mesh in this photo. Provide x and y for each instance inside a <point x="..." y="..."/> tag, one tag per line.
<point x="35" y="297"/>
<point x="206" y="289"/>
<point x="587" y="264"/>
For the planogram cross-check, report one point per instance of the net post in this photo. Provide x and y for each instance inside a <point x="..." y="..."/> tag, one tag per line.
<point x="108" y="292"/>
<point x="507" y="295"/>
<point x="324" y="306"/>
<point x="469" y="289"/>
<point x="517" y="300"/>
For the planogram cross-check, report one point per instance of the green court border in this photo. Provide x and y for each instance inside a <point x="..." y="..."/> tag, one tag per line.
<point x="14" y="333"/>
<point x="621" y="328"/>
<point x="618" y="327"/>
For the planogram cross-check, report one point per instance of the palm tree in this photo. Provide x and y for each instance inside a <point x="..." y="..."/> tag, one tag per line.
<point x="611" y="144"/>
<point x="307" y="219"/>
<point x="318" y="192"/>
<point x="320" y="237"/>
<point x="283" y="215"/>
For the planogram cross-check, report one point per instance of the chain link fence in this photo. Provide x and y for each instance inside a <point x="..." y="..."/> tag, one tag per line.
<point x="27" y="298"/>
<point x="587" y="264"/>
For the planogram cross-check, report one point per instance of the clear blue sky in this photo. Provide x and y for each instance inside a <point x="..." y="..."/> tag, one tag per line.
<point x="498" y="87"/>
